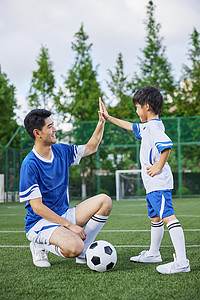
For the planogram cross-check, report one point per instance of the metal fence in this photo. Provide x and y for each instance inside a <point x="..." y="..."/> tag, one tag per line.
<point x="118" y="150"/>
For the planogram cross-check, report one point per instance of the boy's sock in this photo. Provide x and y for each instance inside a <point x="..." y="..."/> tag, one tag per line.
<point x="178" y="240"/>
<point x="50" y="248"/>
<point x="157" y="231"/>
<point x="92" y="228"/>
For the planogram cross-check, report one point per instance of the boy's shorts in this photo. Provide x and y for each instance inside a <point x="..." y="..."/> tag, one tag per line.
<point x="160" y="203"/>
<point x="41" y="232"/>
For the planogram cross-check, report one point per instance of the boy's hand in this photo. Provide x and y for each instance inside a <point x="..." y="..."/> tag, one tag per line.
<point x="153" y="170"/>
<point x="103" y="110"/>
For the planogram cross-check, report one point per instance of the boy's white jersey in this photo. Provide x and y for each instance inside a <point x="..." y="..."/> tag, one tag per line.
<point x="154" y="141"/>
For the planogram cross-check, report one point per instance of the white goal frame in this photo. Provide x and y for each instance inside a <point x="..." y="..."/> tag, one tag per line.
<point x="117" y="176"/>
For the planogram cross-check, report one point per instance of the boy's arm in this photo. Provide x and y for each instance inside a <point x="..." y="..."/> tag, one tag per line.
<point x="121" y="123"/>
<point x="157" y="167"/>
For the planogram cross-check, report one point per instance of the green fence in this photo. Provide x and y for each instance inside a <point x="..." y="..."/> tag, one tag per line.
<point x="118" y="150"/>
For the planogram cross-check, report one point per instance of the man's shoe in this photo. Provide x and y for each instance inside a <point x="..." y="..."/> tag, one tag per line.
<point x="40" y="257"/>
<point x="146" y="257"/>
<point x="81" y="260"/>
<point x="174" y="267"/>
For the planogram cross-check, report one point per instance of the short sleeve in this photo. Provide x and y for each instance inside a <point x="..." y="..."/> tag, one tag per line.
<point x="79" y="152"/>
<point x="136" y="129"/>
<point x="28" y="186"/>
<point x="73" y="153"/>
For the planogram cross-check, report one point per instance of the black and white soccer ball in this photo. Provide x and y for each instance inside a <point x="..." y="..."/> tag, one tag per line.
<point x="101" y="256"/>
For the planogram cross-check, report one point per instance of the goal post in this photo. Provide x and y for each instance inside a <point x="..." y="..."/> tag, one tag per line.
<point x="128" y="184"/>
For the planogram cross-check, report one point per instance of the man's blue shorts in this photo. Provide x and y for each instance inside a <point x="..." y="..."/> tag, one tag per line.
<point x="160" y="203"/>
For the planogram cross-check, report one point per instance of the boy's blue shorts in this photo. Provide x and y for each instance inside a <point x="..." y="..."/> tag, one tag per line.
<point x="160" y="203"/>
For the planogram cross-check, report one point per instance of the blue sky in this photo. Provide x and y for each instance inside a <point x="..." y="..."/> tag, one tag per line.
<point x="113" y="26"/>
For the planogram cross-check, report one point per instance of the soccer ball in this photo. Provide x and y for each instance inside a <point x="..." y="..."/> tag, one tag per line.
<point x="101" y="256"/>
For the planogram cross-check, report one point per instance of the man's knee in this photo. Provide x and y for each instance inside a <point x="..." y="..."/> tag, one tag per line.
<point x="72" y="248"/>
<point x="106" y="203"/>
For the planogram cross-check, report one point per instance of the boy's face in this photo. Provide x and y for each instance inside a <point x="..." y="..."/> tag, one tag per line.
<point x="142" y="112"/>
<point x="47" y="134"/>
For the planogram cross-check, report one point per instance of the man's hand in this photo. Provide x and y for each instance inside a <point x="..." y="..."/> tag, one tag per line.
<point x="101" y="117"/>
<point x="153" y="170"/>
<point x="77" y="230"/>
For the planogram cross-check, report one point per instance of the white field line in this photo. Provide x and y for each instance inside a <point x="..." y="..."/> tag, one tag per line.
<point x="134" y="215"/>
<point x="142" y="215"/>
<point x="106" y="230"/>
<point x="116" y="246"/>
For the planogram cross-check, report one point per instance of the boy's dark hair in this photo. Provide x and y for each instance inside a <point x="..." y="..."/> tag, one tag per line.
<point x="150" y="95"/>
<point x="35" y="119"/>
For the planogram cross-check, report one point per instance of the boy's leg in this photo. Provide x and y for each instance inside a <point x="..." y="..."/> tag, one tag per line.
<point x="157" y="231"/>
<point x="181" y="263"/>
<point x="92" y="213"/>
<point x="153" y="254"/>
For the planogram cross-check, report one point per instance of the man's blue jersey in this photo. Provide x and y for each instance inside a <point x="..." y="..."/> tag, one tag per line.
<point x="48" y="179"/>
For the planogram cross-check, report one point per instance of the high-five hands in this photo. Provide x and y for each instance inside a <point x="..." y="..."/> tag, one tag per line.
<point x="103" y="109"/>
<point x="101" y="115"/>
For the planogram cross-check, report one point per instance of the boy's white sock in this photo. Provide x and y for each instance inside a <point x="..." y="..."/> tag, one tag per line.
<point x="157" y="231"/>
<point x="178" y="240"/>
<point x="92" y="228"/>
<point x="50" y="248"/>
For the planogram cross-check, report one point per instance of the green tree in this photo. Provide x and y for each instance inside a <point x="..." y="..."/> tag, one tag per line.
<point x="41" y="93"/>
<point x="84" y="89"/>
<point x="84" y="92"/>
<point x="8" y="103"/>
<point x="154" y="67"/>
<point x="119" y="87"/>
<point x="188" y="99"/>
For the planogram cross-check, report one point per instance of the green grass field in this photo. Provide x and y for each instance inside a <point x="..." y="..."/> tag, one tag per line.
<point x="20" y="279"/>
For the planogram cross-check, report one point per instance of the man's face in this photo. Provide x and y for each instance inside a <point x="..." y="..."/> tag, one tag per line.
<point x="47" y="134"/>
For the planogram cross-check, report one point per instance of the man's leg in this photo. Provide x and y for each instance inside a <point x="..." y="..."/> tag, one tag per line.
<point x="92" y="213"/>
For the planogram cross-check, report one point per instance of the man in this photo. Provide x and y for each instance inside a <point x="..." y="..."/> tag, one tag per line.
<point x="44" y="184"/>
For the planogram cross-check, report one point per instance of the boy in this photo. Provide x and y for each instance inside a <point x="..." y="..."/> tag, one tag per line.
<point x="44" y="184"/>
<point x="157" y="178"/>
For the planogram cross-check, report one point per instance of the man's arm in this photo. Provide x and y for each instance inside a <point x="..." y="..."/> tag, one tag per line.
<point x="157" y="167"/>
<point x="42" y="210"/>
<point x="92" y="145"/>
<point x="121" y="123"/>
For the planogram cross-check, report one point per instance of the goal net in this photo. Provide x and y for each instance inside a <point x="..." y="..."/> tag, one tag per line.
<point x="129" y="185"/>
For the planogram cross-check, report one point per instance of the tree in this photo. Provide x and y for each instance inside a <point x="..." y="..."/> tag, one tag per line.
<point x="84" y="89"/>
<point x="84" y="92"/>
<point x="41" y="92"/>
<point x="154" y="67"/>
<point x="188" y="99"/>
<point x="119" y="87"/>
<point x="8" y="103"/>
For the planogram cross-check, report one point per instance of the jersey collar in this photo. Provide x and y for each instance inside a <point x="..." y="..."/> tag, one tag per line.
<point x="42" y="158"/>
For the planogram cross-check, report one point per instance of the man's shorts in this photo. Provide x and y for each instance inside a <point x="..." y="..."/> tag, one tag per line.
<point x="160" y="203"/>
<point x="41" y="232"/>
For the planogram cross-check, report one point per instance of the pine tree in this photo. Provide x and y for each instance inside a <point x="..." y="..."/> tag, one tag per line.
<point x="8" y="103"/>
<point x="41" y="93"/>
<point x="155" y="69"/>
<point x="188" y="99"/>
<point x="84" y="89"/>
<point x="119" y="87"/>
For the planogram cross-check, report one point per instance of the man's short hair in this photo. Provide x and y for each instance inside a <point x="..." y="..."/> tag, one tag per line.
<point x="35" y="119"/>
<point x="150" y="95"/>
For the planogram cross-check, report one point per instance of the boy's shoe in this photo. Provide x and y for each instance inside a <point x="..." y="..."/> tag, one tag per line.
<point x="81" y="260"/>
<point x="173" y="267"/>
<point x="147" y="257"/>
<point x="40" y="257"/>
